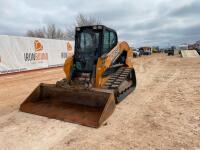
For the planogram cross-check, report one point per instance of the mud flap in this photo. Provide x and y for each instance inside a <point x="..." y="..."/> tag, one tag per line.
<point x="85" y="107"/>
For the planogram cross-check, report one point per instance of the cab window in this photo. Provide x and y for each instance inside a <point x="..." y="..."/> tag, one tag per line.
<point x="109" y="40"/>
<point x="113" y="40"/>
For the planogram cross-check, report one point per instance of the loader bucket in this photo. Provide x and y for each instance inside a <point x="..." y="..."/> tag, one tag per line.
<point x="85" y="107"/>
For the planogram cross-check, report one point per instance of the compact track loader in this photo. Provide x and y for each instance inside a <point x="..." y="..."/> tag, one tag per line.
<point x="99" y="75"/>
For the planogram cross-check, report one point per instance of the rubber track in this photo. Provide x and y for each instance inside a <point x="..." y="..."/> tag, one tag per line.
<point x="116" y="80"/>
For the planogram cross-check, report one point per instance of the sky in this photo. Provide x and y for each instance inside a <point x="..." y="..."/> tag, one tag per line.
<point x="140" y="22"/>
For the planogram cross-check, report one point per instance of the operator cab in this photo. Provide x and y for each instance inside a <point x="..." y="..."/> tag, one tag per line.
<point x="92" y="42"/>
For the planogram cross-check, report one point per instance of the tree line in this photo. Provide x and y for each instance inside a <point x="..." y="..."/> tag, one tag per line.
<point x="50" y="31"/>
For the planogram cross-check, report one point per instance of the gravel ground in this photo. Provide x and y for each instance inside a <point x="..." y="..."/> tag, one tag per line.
<point x="162" y="113"/>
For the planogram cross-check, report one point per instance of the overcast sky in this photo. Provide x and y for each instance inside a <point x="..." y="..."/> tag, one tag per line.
<point x="140" y="22"/>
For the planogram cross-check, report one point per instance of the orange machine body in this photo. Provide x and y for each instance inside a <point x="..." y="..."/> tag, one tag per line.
<point x="103" y="62"/>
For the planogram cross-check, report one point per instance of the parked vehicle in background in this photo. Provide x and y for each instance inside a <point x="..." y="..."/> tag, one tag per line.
<point x="156" y="49"/>
<point x="141" y="51"/>
<point x="136" y="52"/>
<point x="171" y="51"/>
<point x="166" y="50"/>
<point x="145" y="50"/>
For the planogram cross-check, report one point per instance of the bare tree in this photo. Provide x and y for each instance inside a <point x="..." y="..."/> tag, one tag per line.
<point x="36" y="33"/>
<point x="60" y="34"/>
<point x="50" y="32"/>
<point x="81" y="20"/>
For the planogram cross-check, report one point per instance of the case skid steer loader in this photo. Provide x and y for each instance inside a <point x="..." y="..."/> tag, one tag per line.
<point x="99" y="75"/>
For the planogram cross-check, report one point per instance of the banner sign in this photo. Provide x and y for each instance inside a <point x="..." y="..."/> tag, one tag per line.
<point x="24" y="53"/>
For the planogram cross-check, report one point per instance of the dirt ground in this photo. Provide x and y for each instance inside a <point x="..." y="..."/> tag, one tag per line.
<point x="162" y="113"/>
